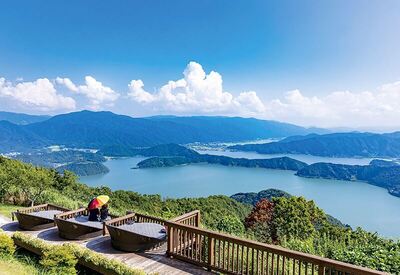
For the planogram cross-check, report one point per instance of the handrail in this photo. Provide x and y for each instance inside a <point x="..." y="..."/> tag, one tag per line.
<point x="41" y="207"/>
<point x="234" y="255"/>
<point x="120" y="220"/>
<point x="146" y="218"/>
<point x="70" y="214"/>
<point x="191" y="218"/>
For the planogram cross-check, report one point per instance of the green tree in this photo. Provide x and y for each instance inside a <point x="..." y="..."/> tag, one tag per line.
<point x="295" y="217"/>
<point x="230" y="224"/>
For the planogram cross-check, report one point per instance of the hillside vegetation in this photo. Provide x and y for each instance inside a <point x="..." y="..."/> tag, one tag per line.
<point x="381" y="173"/>
<point x="292" y="222"/>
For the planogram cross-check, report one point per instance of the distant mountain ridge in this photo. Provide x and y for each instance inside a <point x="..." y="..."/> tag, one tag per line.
<point x="332" y="145"/>
<point x="22" y="119"/>
<point x="16" y="138"/>
<point x="88" y="129"/>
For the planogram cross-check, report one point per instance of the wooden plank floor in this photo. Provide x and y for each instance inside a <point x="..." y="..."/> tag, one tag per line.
<point x="154" y="261"/>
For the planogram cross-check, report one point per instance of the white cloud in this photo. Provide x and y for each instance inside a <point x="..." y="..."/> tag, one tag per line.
<point x="38" y="95"/>
<point x="343" y="108"/>
<point x="197" y="92"/>
<point x="94" y="90"/>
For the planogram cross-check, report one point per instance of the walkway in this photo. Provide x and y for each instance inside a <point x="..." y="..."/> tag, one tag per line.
<point x="151" y="262"/>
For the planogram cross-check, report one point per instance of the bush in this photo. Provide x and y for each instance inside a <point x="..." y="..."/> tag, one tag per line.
<point x="62" y="259"/>
<point x="31" y="241"/>
<point x="111" y="265"/>
<point x="59" y="259"/>
<point x="231" y="225"/>
<point x="7" y="247"/>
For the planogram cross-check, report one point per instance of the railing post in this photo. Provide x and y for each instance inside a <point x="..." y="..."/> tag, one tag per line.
<point x="210" y="252"/>
<point x="170" y="240"/>
<point x="321" y="269"/>
<point x="198" y="219"/>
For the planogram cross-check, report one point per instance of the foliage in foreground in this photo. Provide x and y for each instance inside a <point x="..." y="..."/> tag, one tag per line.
<point x="62" y="259"/>
<point x="14" y="262"/>
<point x="298" y="224"/>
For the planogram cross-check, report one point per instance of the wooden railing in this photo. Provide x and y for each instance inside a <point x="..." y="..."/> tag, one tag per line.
<point x="41" y="207"/>
<point x="191" y="218"/>
<point x="232" y="255"/>
<point x="37" y="208"/>
<point x="73" y="213"/>
<point x="147" y="218"/>
<point x="134" y="217"/>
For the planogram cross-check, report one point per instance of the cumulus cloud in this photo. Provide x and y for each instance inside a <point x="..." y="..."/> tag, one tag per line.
<point x="38" y="95"/>
<point x="93" y="90"/>
<point x="196" y="92"/>
<point x="342" y="108"/>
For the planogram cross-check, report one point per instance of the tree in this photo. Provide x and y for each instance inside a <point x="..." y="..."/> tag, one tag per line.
<point x="261" y="213"/>
<point x="65" y="180"/>
<point x="24" y="179"/>
<point x="230" y="224"/>
<point x="260" y="219"/>
<point x="35" y="184"/>
<point x="295" y="217"/>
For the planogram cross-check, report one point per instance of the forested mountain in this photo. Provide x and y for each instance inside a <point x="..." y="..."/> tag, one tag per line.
<point x="169" y="155"/>
<point x="282" y="163"/>
<point x="333" y="145"/>
<point x="21" y="119"/>
<point x="119" y="133"/>
<point x="16" y="138"/>
<point x="381" y="173"/>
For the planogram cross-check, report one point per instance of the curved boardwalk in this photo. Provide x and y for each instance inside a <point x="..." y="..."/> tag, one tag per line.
<point x="154" y="261"/>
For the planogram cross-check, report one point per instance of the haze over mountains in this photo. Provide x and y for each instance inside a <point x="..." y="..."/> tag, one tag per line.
<point x="22" y="119"/>
<point x="118" y="134"/>
<point x="88" y="129"/>
<point x="332" y="145"/>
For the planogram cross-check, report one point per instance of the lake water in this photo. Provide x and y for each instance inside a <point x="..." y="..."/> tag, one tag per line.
<point x="354" y="203"/>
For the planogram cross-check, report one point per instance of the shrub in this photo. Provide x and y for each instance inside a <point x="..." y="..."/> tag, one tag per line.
<point x="231" y="225"/>
<point x="31" y="241"/>
<point x="7" y="247"/>
<point x="111" y="265"/>
<point x="59" y="259"/>
<point x="62" y="259"/>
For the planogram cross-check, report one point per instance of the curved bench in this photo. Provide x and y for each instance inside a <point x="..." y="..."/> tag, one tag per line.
<point x="38" y="217"/>
<point x="136" y="232"/>
<point x="74" y="225"/>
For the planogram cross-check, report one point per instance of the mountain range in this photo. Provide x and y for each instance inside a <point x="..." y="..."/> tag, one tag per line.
<point x="332" y="145"/>
<point x="88" y="129"/>
<point x="22" y="119"/>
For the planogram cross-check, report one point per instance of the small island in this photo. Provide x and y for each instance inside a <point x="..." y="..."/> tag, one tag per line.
<point x="170" y="155"/>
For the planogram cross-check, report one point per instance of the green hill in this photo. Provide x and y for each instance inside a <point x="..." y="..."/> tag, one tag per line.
<point x="332" y="145"/>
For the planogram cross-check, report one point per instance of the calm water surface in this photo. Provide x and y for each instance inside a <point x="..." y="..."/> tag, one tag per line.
<point x="355" y="203"/>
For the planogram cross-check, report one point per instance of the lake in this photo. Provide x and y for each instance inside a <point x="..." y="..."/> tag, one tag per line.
<point x="354" y="203"/>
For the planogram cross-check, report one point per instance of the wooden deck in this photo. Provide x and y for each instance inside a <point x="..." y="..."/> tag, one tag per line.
<point x="154" y="261"/>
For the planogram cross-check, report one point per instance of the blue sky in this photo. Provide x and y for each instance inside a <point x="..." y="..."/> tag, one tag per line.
<point x="292" y="54"/>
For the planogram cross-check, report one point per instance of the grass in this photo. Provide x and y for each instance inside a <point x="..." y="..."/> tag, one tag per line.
<point x="6" y="209"/>
<point x="19" y="265"/>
